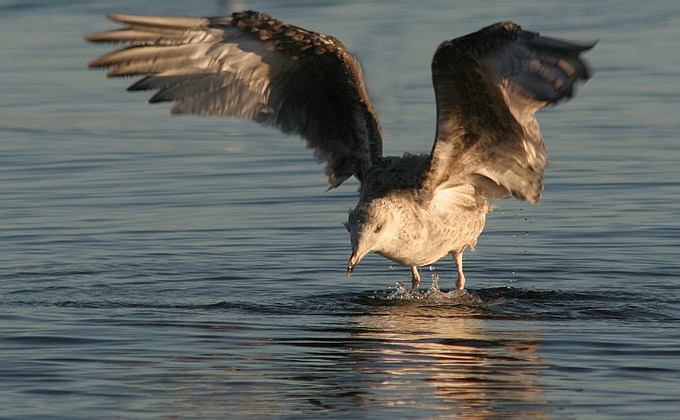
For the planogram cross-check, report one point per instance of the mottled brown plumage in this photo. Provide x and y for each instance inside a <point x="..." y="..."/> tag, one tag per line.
<point x="413" y="209"/>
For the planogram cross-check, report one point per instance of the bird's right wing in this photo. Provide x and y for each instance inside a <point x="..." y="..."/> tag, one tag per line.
<point x="252" y="66"/>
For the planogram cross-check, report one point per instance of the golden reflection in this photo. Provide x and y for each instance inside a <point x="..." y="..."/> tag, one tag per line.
<point x="445" y="354"/>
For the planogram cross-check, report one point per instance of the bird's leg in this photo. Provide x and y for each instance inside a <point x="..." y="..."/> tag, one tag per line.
<point x="458" y="257"/>
<point x="415" y="277"/>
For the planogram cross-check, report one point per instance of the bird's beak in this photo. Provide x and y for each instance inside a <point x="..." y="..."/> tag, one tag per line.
<point x="354" y="260"/>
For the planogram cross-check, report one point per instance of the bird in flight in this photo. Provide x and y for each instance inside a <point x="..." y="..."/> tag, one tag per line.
<point x="414" y="209"/>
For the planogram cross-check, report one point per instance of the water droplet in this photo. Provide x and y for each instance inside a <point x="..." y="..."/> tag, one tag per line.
<point x="435" y="282"/>
<point x="398" y="292"/>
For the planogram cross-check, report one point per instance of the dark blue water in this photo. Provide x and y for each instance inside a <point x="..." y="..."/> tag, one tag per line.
<point x="153" y="266"/>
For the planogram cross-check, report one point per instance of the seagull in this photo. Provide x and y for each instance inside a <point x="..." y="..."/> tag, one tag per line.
<point x="414" y="209"/>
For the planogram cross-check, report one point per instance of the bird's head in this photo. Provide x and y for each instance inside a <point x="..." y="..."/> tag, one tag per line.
<point x="371" y="229"/>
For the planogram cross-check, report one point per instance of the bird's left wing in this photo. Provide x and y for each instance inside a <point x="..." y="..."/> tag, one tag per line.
<point x="488" y="85"/>
<point x="252" y="66"/>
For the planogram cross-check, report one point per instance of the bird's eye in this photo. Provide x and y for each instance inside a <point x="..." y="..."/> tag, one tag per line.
<point x="378" y="228"/>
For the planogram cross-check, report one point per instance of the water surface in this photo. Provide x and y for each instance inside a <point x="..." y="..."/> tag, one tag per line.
<point x="153" y="266"/>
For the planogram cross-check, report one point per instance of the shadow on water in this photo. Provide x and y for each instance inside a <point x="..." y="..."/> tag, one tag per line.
<point x="631" y="305"/>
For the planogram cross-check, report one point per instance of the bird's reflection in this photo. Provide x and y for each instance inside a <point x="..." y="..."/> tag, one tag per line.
<point x="428" y="359"/>
<point x="442" y="357"/>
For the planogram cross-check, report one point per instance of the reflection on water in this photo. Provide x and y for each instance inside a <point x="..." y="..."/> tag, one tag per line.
<point x="432" y="359"/>
<point x="453" y="363"/>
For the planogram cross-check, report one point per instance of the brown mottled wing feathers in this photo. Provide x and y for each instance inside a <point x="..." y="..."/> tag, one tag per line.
<point x="488" y="85"/>
<point x="252" y="66"/>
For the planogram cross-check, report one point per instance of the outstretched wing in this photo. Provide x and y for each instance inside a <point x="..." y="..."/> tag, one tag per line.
<point x="252" y="66"/>
<point x="488" y="85"/>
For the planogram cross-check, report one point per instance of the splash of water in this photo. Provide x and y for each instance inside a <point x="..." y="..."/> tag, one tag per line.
<point x="434" y="294"/>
